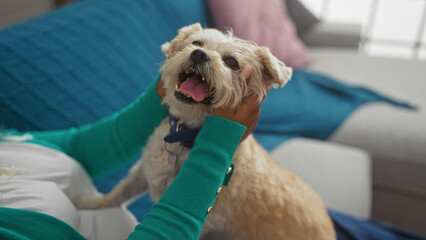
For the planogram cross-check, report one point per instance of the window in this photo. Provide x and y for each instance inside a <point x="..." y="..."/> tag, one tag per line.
<point x="391" y="28"/>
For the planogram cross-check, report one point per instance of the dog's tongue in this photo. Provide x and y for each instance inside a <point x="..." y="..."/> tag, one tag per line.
<point x="194" y="88"/>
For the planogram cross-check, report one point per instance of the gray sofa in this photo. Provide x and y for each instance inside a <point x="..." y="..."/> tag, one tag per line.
<point x="392" y="138"/>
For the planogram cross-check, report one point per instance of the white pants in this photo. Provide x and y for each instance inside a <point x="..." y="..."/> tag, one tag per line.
<point x="37" y="178"/>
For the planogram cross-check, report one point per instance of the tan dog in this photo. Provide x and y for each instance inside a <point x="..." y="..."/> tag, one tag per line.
<point x="206" y="69"/>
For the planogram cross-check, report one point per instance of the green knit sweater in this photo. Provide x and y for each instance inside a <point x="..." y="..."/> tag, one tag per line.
<point x="116" y="140"/>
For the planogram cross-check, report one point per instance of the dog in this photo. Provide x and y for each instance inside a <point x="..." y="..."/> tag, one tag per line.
<point x="263" y="200"/>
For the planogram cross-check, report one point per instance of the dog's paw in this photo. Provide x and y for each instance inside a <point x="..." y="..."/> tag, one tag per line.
<point x="88" y="203"/>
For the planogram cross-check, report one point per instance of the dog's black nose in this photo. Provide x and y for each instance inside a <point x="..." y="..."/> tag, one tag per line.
<point x="199" y="56"/>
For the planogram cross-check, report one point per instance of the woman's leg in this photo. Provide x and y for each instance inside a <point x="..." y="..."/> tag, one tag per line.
<point x="44" y="180"/>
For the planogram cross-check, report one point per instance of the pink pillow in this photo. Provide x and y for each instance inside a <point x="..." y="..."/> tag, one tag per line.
<point x="265" y="22"/>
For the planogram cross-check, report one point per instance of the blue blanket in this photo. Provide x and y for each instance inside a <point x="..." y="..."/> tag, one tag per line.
<point x="311" y="105"/>
<point x="350" y="228"/>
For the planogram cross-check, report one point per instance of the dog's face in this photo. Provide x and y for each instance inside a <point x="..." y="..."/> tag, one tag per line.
<point x="207" y="69"/>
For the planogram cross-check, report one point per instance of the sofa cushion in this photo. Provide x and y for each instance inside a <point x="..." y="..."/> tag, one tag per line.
<point x="266" y="22"/>
<point x="341" y="175"/>
<point x="86" y="60"/>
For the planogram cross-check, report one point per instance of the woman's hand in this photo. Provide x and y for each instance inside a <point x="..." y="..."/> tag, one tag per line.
<point x="247" y="113"/>
<point x="160" y="88"/>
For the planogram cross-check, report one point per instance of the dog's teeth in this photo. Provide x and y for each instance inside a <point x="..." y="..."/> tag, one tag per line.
<point x="177" y="88"/>
<point x="203" y="79"/>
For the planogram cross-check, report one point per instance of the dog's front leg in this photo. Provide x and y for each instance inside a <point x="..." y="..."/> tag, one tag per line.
<point x="132" y="186"/>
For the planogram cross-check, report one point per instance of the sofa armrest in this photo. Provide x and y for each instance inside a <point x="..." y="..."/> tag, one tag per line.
<point x="341" y="175"/>
<point x="325" y="34"/>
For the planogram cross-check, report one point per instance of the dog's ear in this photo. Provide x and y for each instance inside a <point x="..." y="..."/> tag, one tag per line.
<point x="169" y="48"/>
<point x="165" y="48"/>
<point x="275" y="72"/>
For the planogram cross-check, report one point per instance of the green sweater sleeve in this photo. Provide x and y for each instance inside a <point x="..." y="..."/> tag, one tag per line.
<point x="182" y="210"/>
<point x="113" y="141"/>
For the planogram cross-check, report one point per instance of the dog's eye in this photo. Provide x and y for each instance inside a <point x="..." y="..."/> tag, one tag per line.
<point x="198" y="43"/>
<point x="231" y="63"/>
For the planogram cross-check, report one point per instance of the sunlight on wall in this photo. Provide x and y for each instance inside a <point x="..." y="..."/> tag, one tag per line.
<point x="391" y="28"/>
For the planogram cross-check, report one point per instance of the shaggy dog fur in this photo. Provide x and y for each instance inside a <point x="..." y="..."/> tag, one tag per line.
<point x="263" y="200"/>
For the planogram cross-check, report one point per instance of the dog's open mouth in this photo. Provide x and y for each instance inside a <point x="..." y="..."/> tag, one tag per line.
<point x="193" y="88"/>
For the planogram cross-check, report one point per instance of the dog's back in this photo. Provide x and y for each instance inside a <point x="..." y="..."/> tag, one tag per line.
<point x="266" y="201"/>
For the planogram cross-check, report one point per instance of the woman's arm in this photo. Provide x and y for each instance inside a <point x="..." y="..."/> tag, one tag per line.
<point x="182" y="210"/>
<point x="114" y="140"/>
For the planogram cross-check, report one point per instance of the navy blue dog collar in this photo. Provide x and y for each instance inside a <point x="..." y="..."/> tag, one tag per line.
<point x="180" y="132"/>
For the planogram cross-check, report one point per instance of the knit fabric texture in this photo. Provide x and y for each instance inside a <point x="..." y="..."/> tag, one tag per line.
<point x="86" y="60"/>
